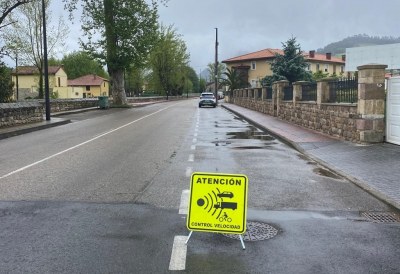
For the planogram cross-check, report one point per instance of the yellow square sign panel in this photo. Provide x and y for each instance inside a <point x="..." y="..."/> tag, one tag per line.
<point x="218" y="203"/>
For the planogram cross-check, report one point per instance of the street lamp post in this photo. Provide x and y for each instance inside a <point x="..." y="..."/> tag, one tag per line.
<point x="45" y="64"/>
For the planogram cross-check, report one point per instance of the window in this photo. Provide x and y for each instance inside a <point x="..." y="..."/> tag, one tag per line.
<point x="59" y="81"/>
<point x="87" y="88"/>
<point x="341" y="68"/>
<point x="317" y="67"/>
<point x="326" y="68"/>
<point x="253" y="83"/>
<point x="308" y="66"/>
<point x="253" y="65"/>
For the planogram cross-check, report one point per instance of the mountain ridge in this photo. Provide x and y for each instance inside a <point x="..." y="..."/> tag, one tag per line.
<point x="358" y="40"/>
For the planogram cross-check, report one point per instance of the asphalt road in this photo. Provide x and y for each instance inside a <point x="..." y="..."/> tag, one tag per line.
<point x="103" y="195"/>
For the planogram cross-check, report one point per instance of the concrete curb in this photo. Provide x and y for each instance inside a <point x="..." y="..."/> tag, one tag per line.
<point x="7" y="133"/>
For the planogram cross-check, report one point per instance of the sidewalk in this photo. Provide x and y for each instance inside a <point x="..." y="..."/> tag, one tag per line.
<point x="375" y="168"/>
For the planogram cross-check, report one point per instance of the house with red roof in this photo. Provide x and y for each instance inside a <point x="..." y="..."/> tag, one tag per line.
<point x="255" y="66"/>
<point x="86" y="86"/>
<point x="28" y="80"/>
<point x="90" y="85"/>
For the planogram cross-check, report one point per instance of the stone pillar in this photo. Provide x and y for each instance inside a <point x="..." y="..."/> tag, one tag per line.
<point x="371" y="103"/>
<point x="298" y="91"/>
<point x="323" y="90"/>
<point x="263" y="94"/>
<point x="278" y="92"/>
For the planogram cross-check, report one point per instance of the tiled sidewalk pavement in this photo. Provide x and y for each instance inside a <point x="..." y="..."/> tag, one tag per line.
<point x="375" y="168"/>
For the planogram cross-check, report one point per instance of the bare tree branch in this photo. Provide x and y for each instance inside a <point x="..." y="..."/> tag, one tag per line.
<point x="7" y="9"/>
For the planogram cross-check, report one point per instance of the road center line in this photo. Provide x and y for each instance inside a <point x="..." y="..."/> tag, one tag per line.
<point x="84" y="143"/>
<point x="178" y="255"/>
<point x="189" y="171"/>
<point x="183" y="208"/>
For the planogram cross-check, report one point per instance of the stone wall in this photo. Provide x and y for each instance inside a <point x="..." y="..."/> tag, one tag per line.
<point x="362" y="122"/>
<point x="31" y="111"/>
<point x="14" y="114"/>
<point x="59" y="105"/>
<point x="337" y="120"/>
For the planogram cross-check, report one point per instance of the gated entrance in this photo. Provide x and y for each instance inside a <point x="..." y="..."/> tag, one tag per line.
<point x="393" y="111"/>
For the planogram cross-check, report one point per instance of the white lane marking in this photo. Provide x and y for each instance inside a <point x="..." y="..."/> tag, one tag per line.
<point x="84" y="143"/>
<point x="183" y="208"/>
<point x="191" y="158"/>
<point x="189" y="171"/>
<point x="178" y="256"/>
<point x="193" y="147"/>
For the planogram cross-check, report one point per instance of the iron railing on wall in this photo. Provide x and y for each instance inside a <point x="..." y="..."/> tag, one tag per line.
<point x="309" y="92"/>
<point x="344" y="90"/>
<point x="269" y="93"/>
<point x="259" y="93"/>
<point x="288" y="93"/>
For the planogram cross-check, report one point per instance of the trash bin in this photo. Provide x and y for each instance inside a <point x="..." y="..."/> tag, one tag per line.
<point x="103" y="102"/>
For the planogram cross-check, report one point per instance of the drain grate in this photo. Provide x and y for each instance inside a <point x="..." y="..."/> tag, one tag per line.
<point x="256" y="231"/>
<point x="380" y="217"/>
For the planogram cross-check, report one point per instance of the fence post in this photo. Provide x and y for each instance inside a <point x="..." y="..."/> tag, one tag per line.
<point x="277" y="88"/>
<point x="371" y="103"/>
<point x="298" y="91"/>
<point x="323" y="90"/>
<point x="263" y="94"/>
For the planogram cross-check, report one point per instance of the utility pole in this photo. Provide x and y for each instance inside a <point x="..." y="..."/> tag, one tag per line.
<point x="16" y="73"/>
<point x="46" y="65"/>
<point x="216" y="66"/>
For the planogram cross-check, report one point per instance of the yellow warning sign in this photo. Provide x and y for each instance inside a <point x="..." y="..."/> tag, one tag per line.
<point x="218" y="203"/>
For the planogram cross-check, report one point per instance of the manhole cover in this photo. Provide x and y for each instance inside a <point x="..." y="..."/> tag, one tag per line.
<point x="380" y="217"/>
<point x="256" y="231"/>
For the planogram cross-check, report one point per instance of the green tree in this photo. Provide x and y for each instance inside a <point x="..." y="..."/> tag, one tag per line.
<point x="120" y="34"/>
<point x="6" y="85"/>
<point x="135" y="79"/>
<point x="192" y="76"/>
<point x="319" y="75"/>
<point x="232" y="80"/>
<point x="292" y="64"/>
<point x="80" y="63"/>
<point x="168" y="61"/>
<point x="202" y="85"/>
<point x="211" y="71"/>
<point x="25" y="35"/>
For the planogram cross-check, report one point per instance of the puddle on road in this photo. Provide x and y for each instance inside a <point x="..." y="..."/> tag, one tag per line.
<point x="251" y="133"/>
<point x="326" y="173"/>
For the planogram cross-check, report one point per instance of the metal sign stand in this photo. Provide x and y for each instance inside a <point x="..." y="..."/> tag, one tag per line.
<point x="240" y="236"/>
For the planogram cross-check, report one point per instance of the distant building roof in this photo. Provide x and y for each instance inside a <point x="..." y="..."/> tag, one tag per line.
<point x="270" y="54"/>
<point x="262" y="54"/>
<point x="32" y="70"/>
<point x="87" y="80"/>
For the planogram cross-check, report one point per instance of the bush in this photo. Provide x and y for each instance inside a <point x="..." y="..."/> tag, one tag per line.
<point x="6" y="85"/>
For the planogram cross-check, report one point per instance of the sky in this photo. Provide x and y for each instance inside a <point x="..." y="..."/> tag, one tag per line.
<point x="252" y="25"/>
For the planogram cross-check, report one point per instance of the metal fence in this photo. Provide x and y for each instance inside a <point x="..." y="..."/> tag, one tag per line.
<point x="259" y="93"/>
<point x="288" y="93"/>
<point x="344" y="90"/>
<point x="269" y="93"/>
<point x="309" y="92"/>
